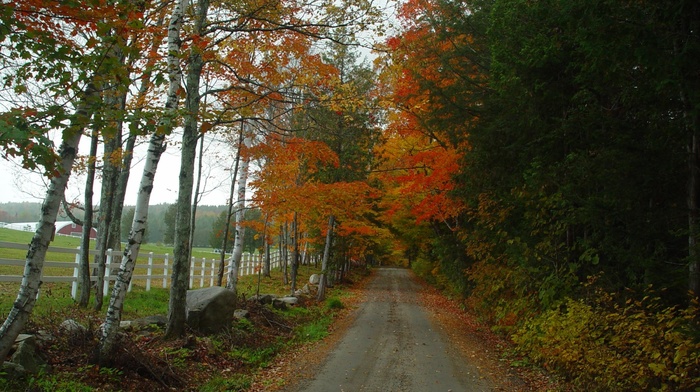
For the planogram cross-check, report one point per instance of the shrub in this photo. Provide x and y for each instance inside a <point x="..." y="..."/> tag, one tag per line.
<point x="639" y="345"/>
<point x="233" y="383"/>
<point x="334" y="303"/>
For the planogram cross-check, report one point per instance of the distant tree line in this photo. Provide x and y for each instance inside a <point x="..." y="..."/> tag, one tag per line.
<point x="210" y="221"/>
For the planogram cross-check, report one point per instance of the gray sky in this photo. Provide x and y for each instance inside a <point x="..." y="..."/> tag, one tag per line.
<point x="20" y="185"/>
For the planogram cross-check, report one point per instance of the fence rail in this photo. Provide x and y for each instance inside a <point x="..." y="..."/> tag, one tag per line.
<point x="153" y="270"/>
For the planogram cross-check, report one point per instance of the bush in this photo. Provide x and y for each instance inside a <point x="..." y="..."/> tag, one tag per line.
<point x="603" y="346"/>
<point x="233" y="383"/>
<point x="334" y="303"/>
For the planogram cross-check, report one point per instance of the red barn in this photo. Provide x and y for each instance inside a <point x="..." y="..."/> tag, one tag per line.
<point x="62" y="228"/>
<point x="75" y="230"/>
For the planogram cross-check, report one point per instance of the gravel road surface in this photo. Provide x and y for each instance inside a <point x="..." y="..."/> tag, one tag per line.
<point x="393" y="346"/>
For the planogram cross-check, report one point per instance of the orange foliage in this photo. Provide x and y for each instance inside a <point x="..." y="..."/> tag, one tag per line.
<point x="286" y="184"/>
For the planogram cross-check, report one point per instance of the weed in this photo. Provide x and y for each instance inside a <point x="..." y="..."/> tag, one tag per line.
<point x="316" y="330"/>
<point x="256" y="357"/>
<point x="112" y="374"/>
<point x="244" y="325"/>
<point x="177" y="357"/>
<point x="53" y="383"/>
<point x="334" y="303"/>
<point x="235" y="383"/>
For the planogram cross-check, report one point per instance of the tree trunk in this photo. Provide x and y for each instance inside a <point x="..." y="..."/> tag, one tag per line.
<point x="183" y="248"/>
<point x="120" y="192"/>
<point x="197" y="195"/>
<point x="131" y="252"/>
<point x="109" y="178"/>
<point x="128" y="152"/>
<point x="295" y="254"/>
<point x="266" y="249"/>
<point x="324" y="263"/>
<point x="240" y="214"/>
<point x="34" y="262"/>
<point x="155" y="150"/>
<point x="685" y="45"/>
<point x="283" y="254"/>
<point x="693" y="193"/>
<point x="229" y="213"/>
<point x="84" y="269"/>
<point x="184" y="227"/>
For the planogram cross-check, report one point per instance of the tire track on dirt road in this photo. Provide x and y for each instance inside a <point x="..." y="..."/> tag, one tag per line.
<point x="393" y="346"/>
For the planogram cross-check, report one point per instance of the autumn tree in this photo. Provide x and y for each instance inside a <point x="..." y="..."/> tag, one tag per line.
<point x="537" y="148"/>
<point x="45" y="42"/>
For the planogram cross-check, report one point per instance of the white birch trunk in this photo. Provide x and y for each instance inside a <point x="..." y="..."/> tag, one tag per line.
<point x="240" y="214"/>
<point x="36" y="255"/>
<point x="155" y="150"/>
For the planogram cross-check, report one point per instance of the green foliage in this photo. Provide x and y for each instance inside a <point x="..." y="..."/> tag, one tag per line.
<point x="112" y="374"/>
<point x="255" y="356"/>
<point x="501" y="294"/>
<point x="217" y="232"/>
<point x="244" y="325"/>
<point x="423" y="268"/>
<point x="169" y="219"/>
<point x="604" y="345"/>
<point x="20" y="138"/>
<point x="177" y="356"/>
<point x="333" y="303"/>
<point x="56" y="383"/>
<point x="315" y="330"/>
<point x="127" y="221"/>
<point x="232" y="383"/>
<point x="251" y="239"/>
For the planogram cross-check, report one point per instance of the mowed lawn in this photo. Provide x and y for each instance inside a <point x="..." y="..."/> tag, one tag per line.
<point x="138" y="302"/>
<point x="60" y="292"/>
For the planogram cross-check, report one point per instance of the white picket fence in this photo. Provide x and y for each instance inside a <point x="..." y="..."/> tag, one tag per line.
<point x="155" y="270"/>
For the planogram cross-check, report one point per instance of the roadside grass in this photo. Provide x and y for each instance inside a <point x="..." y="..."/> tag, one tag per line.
<point x="251" y="344"/>
<point x="233" y="357"/>
<point x="58" y="294"/>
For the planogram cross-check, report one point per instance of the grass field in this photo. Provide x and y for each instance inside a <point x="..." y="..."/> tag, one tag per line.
<point x="139" y="302"/>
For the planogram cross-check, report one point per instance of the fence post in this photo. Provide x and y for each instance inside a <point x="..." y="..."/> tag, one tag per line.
<point x="192" y="272"/>
<point x="204" y="270"/>
<point x="150" y="271"/>
<point x="213" y="265"/>
<point x="108" y="268"/>
<point x="165" y="271"/>
<point x="74" y="286"/>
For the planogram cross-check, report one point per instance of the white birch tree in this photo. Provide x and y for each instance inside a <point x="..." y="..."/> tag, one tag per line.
<point x="36" y="255"/>
<point x="155" y="150"/>
<point x="232" y="282"/>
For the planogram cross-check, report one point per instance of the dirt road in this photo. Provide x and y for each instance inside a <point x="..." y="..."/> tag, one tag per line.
<point x="393" y="346"/>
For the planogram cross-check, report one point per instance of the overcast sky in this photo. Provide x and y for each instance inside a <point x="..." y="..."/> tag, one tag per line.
<point x="19" y="185"/>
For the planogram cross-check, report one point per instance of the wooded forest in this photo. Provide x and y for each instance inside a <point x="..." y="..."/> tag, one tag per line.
<point x="539" y="160"/>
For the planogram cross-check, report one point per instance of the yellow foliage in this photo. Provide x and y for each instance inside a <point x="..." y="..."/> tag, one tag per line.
<point x="604" y="346"/>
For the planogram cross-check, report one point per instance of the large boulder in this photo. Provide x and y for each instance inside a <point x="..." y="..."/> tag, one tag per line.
<point x="27" y="355"/>
<point x="211" y="309"/>
<point x="72" y="328"/>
